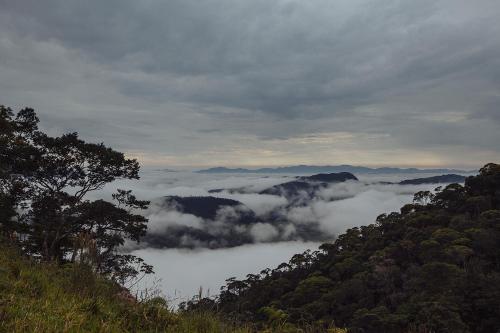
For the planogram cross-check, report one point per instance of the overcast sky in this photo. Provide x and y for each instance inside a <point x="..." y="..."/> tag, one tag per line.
<point x="259" y="82"/>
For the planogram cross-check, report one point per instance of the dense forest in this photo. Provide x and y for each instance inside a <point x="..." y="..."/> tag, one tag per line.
<point x="432" y="267"/>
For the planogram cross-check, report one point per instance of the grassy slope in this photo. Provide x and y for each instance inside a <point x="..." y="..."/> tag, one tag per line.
<point x="44" y="298"/>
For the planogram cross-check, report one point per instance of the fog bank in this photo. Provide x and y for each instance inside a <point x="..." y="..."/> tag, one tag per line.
<point x="182" y="272"/>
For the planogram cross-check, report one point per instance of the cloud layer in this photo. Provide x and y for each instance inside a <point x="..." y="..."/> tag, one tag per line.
<point x="183" y="271"/>
<point x="191" y="215"/>
<point x="240" y="82"/>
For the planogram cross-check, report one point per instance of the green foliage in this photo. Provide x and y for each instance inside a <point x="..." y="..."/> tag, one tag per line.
<point x="43" y="297"/>
<point x="432" y="267"/>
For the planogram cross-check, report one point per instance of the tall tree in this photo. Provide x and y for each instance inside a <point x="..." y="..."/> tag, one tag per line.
<point x="16" y="163"/>
<point x="50" y="178"/>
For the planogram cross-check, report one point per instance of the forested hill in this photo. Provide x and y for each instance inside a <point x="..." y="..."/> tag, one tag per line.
<point x="432" y="267"/>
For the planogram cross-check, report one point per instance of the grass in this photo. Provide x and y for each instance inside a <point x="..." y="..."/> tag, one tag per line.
<point x="37" y="297"/>
<point x="42" y="297"/>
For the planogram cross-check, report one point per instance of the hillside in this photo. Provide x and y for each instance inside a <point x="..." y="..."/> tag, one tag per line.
<point x="38" y="297"/>
<point x="432" y="267"/>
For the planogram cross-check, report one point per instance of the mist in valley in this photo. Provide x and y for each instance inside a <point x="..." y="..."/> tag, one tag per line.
<point x="181" y="270"/>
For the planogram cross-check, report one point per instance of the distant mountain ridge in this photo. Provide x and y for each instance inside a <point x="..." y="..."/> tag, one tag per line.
<point x="305" y="169"/>
<point x="450" y="178"/>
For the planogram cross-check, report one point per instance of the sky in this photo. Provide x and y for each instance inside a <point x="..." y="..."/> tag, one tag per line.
<point x="262" y="83"/>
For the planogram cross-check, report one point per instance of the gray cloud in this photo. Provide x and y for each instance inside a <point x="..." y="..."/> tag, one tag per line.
<point x="242" y="82"/>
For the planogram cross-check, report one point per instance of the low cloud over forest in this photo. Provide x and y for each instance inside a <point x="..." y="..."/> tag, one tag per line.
<point x="213" y="211"/>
